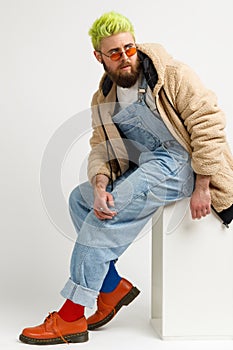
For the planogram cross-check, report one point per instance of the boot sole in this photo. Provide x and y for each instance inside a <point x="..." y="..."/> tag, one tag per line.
<point x="126" y="300"/>
<point x="70" y="338"/>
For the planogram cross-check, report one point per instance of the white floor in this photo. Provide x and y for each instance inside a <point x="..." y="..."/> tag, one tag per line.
<point x="29" y="299"/>
<point x="130" y="329"/>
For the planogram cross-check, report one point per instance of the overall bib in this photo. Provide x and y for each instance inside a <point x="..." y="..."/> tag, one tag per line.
<point x="161" y="173"/>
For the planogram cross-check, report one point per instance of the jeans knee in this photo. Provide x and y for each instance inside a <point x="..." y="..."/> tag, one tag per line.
<point x="82" y="195"/>
<point x="75" y="197"/>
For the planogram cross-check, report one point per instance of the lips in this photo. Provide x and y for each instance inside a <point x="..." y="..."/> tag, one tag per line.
<point x="125" y="67"/>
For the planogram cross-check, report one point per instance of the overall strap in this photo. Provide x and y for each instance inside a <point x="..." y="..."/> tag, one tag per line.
<point x="142" y="87"/>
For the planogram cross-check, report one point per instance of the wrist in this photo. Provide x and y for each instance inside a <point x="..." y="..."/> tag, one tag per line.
<point x="100" y="182"/>
<point x="202" y="182"/>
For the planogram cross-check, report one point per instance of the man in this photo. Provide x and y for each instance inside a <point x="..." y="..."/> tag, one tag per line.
<point x="158" y="136"/>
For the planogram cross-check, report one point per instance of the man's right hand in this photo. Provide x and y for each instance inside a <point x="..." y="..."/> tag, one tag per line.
<point x="103" y="200"/>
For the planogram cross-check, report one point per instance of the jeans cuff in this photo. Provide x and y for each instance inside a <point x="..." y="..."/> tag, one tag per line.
<point x="79" y="294"/>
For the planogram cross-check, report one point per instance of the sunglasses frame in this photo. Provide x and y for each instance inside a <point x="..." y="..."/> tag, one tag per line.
<point x="119" y="54"/>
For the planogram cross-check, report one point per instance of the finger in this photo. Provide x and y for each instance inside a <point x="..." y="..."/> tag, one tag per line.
<point x="111" y="203"/>
<point x="197" y="214"/>
<point x="202" y="212"/>
<point x="102" y="215"/>
<point x="208" y="210"/>
<point x="193" y="213"/>
<point x="98" y="214"/>
<point x="110" y="200"/>
<point x="105" y="209"/>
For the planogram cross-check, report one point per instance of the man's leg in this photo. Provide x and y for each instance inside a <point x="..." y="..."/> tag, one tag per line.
<point x="136" y="199"/>
<point x="155" y="183"/>
<point x="69" y="324"/>
<point x="112" y="279"/>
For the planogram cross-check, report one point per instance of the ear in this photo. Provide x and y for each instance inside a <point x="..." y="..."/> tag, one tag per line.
<point x="98" y="56"/>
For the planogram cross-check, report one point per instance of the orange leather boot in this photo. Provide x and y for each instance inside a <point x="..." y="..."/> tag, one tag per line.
<point x="108" y="304"/>
<point x="55" y="330"/>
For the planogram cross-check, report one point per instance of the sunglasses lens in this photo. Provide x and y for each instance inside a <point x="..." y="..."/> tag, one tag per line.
<point x="131" y="51"/>
<point x="115" y="56"/>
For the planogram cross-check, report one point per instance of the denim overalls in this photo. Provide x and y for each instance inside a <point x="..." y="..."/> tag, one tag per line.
<point x="162" y="175"/>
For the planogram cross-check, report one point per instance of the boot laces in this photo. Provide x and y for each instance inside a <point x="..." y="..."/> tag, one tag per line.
<point x="51" y="316"/>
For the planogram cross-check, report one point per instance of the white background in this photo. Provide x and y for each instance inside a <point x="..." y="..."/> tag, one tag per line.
<point x="47" y="75"/>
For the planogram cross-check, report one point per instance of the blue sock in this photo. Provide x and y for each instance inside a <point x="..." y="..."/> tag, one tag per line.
<point x="111" y="280"/>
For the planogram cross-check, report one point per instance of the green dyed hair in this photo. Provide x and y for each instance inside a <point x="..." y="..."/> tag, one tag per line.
<point x="109" y="24"/>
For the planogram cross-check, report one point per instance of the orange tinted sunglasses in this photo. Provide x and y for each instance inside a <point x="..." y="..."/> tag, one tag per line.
<point x="115" y="56"/>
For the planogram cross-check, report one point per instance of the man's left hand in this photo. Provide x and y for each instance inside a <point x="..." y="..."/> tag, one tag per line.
<point x="200" y="203"/>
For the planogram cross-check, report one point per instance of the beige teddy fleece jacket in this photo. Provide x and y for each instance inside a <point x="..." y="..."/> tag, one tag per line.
<point x="199" y="127"/>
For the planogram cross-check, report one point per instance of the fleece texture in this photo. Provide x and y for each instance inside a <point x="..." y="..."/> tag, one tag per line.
<point x="191" y="113"/>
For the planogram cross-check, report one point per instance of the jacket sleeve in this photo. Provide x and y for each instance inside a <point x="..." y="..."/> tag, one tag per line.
<point x="98" y="160"/>
<point x="203" y="119"/>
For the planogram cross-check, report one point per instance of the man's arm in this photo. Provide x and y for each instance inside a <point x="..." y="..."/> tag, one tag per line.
<point x="200" y="203"/>
<point x="103" y="200"/>
<point x="203" y="120"/>
<point x="205" y="123"/>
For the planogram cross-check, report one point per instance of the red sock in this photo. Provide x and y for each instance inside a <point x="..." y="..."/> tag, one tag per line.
<point x="70" y="311"/>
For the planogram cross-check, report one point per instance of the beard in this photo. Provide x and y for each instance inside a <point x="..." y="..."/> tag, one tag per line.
<point x="124" y="79"/>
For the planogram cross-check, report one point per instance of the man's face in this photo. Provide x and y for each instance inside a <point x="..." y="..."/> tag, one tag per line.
<point x="125" y="71"/>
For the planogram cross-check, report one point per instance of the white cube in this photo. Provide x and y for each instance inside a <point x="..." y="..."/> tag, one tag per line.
<point x="192" y="275"/>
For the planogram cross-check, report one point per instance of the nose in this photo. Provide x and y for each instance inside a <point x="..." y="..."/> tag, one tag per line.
<point x="124" y="57"/>
<point x="123" y="54"/>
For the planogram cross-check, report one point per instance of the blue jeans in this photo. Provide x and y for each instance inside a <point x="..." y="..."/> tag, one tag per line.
<point x="161" y="177"/>
<point x="163" y="174"/>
